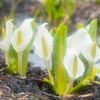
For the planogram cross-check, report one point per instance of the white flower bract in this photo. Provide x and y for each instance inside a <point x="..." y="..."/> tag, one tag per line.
<point x="5" y="43"/>
<point x="27" y="33"/>
<point x="43" y="33"/>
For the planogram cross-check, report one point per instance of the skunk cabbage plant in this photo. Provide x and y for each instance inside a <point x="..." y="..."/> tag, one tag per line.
<point x="84" y="46"/>
<point x="21" y="40"/>
<point x="43" y="46"/>
<point x="6" y="39"/>
<point x="91" y="53"/>
<point x="74" y="67"/>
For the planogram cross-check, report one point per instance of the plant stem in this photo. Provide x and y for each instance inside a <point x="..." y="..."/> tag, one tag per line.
<point x="6" y="58"/>
<point x="47" y="63"/>
<point x="69" y="86"/>
<point x="90" y="68"/>
<point x="20" y="71"/>
<point x="95" y="82"/>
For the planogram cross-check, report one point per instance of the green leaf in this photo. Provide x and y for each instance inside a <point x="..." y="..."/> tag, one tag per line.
<point x="86" y="65"/>
<point x="90" y="71"/>
<point x="49" y="83"/>
<point x="58" y="70"/>
<point x="13" y="61"/>
<point x="88" y="68"/>
<point x="27" y="50"/>
<point x="79" y="26"/>
<point x="56" y="2"/>
<point x="93" y="73"/>
<point x="93" y="29"/>
<point x="77" y="88"/>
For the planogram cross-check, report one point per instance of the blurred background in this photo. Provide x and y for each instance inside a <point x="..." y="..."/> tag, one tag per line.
<point x="71" y="12"/>
<point x="54" y="12"/>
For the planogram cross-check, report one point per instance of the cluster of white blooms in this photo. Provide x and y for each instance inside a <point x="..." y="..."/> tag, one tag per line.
<point x="78" y="44"/>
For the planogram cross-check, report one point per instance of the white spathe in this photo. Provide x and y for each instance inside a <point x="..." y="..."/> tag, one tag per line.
<point x="82" y="43"/>
<point x="87" y="53"/>
<point x="43" y="32"/>
<point x="27" y="33"/>
<point x="5" y="43"/>
<point x="68" y="63"/>
<point x="79" y="40"/>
